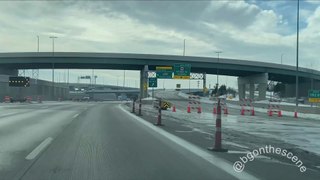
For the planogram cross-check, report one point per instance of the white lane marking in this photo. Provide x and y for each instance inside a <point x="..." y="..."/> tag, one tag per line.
<point x="39" y="148"/>
<point x="184" y="131"/>
<point x="214" y="160"/>
<point x="238" y="152"/>
<point x="238" y="145"/>
<point x="76" y="115"/>
<point x="8" y="114"/>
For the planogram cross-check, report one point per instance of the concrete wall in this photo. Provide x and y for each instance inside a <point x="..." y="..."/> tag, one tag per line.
<point x="37" y="88"/>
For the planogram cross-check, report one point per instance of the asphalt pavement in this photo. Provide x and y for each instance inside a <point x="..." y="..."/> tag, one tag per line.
<point x="100" y="141"/>
<point x="73" y="140"/>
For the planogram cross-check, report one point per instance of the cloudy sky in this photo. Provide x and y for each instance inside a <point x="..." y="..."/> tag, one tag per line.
<point x="259" y="30"/>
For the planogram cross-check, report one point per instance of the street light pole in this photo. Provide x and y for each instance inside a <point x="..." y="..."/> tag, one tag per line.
<point x="38" y="48"/>
<point x="218" y="52"/>
<point x="297" y="61"/>
<point x="124" y="78"/>
<point x="184" y="47"/>
<point x="53" y="37"/>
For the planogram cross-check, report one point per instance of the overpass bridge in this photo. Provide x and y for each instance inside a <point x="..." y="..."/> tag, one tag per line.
<point x="248" y="72"/>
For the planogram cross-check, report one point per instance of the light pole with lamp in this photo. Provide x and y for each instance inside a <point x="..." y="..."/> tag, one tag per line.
<point x="297" y="63"/>
<point x="218" y="53"/>
<point x="53" y="37"/>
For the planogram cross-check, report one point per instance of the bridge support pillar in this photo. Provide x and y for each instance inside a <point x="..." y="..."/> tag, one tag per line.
<point x="242" y="90"/>
<point x="251" y="91"/>
<point x="260" y="79"/>
<point x="262" y="88"/>
<point x="144" y="82"/>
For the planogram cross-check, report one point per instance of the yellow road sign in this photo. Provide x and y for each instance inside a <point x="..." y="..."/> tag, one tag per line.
<point x="181" y="77"/>
<point x="314" y="100"/>
<point x="145" y="86"/>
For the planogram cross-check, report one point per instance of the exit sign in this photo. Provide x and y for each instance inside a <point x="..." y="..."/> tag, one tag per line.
<point x="153" y="82"/>
<point x="314" y="96"/>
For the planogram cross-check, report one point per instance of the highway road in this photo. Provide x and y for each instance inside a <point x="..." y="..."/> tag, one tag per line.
<point x="72" y="140"/>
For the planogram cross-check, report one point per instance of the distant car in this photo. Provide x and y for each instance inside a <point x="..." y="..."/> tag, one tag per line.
<point x="301" y="100"/>
<point x="85" y="99"/>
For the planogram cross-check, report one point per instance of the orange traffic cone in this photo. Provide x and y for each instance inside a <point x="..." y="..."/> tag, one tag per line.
<point x="199" y="109"/>
<point x="226" y="110"/>
<point x="252" y="112"/>
<point x="189" y="108"/>
<point x="174" y="108"/>
<point x="214" y="110"/>
<point x="242" y="110"/>
<point x="270" y="112"/>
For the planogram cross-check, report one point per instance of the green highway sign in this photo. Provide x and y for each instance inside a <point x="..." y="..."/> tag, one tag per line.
<point x="164" y="72"/>
<point x="314" y="96"/>
<point x="182" y="71"/>
<point x="153" y="82"/>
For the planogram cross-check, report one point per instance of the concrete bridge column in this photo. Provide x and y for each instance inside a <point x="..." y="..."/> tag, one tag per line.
<point x="262" y="88"/>
<point x="260" y="79"/>
<point x="251" y="91"/>
<point x="242" y="90"/>
<point x="144" y="82"/>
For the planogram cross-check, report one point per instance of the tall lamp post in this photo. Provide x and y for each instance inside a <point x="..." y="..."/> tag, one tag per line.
<point x="124" y="79"/>
<point x="297" y="62"/>
<point x="218" y="53"/>
<point x="53" y="37"/>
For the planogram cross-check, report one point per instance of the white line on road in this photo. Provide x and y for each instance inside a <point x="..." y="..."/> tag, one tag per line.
<point x="7" y="114"/>
<point x="39" y="148"/>
<point x="238" y="145"/>
<point x="214" y="160"/>
<point x="76" y="115"/>
<point x="238" y="152"/>
<point x="184" y="131"/>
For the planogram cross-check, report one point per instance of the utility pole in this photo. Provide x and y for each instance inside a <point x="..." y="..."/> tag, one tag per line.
<point x="124" y="79"/>
<point x="184" y="47"/>
<point x="218" y="53"/>
<point x="53" y="37"/>
<point x="297" y="62"/>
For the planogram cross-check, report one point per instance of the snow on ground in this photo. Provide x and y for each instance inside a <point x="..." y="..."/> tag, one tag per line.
<point x="262" y="110"/>
<point x="149" y="98"/>
<point x="303" y="134"/>
<point x="281" y="103"/>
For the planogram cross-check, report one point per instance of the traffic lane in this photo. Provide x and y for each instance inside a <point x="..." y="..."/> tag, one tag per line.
<point x="21" y="132"/>
<point x="105" y="143"/>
